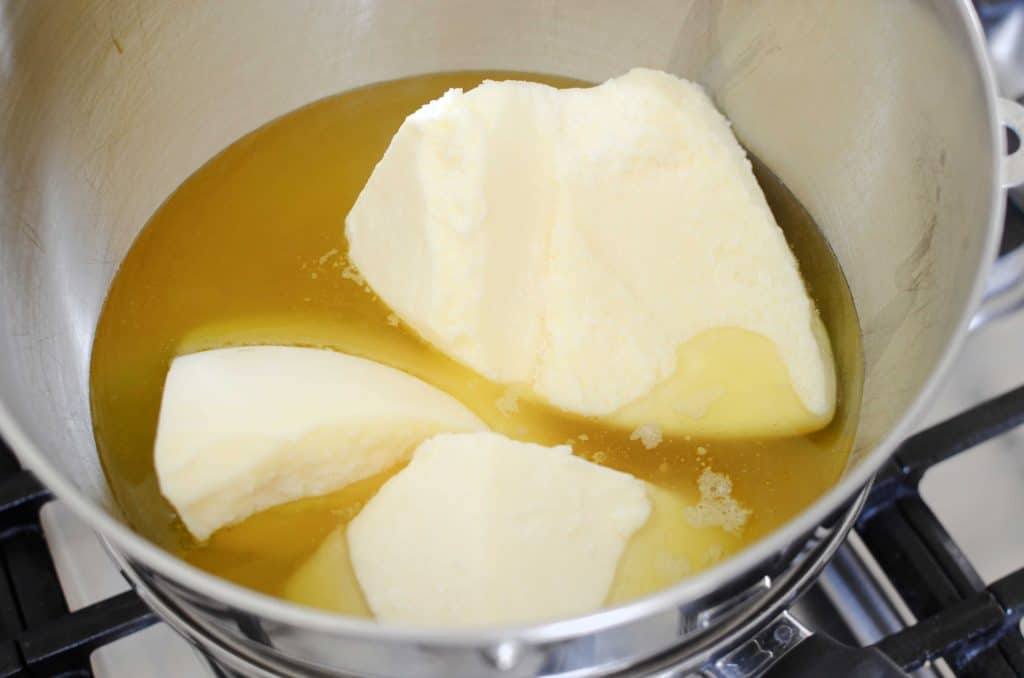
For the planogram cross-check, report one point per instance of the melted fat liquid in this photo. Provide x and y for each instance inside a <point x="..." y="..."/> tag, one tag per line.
<point x="251" y="250"/>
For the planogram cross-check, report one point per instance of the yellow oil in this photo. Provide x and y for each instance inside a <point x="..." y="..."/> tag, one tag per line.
<point x="251" y="250"/>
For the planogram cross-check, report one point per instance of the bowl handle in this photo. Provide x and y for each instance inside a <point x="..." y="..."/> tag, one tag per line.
<point x="1005" y="291"/>
<point x="1011" y="116"/>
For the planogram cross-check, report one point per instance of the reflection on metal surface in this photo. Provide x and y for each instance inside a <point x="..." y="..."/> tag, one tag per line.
<point x="855" y="585"/>
<point x="708" y="617"/>
<point x="758" y="654"/>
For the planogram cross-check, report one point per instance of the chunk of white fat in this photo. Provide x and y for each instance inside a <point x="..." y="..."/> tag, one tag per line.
<point x="683" y="534"/>
<point x="244" y="429"/>
<point x="590" y="245"/>
<point x="479" y="529"/>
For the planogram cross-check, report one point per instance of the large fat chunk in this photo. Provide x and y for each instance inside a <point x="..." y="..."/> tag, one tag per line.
<point x="684" y="533"/>
<point x="244" y="429"/>
<point x="580" y="242"/>
<point x="479" y="529"/>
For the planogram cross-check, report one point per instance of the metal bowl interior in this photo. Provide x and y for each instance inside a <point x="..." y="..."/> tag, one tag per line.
<point x="878" y="115"/>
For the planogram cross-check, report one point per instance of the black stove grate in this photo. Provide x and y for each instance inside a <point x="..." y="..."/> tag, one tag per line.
<point x="39" y="636"/>
<point x="972" y="627"/>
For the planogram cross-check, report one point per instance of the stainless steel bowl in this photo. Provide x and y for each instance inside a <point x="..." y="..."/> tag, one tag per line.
<point x="880" y="115"/>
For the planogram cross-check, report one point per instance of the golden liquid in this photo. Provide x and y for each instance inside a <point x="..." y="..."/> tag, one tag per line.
<point x="251" y="250"/>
